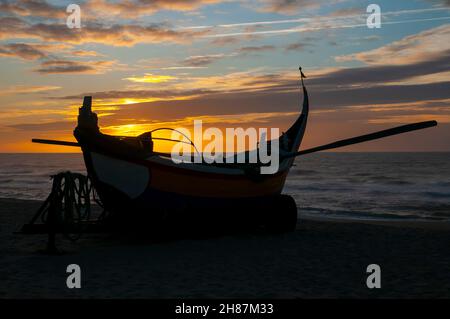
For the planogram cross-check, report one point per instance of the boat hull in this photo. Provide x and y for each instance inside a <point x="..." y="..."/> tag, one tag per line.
<point x="157" y="186"/>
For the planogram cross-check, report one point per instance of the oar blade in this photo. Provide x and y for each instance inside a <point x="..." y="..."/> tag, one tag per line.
<point x="367" y="137"/>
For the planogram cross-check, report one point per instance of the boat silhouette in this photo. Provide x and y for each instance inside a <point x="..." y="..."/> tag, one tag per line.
<point x="132" y="179"/>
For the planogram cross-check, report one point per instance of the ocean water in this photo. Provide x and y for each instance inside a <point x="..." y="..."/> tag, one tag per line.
<point x="331" y="185"/>
<point x="372" y="185"/>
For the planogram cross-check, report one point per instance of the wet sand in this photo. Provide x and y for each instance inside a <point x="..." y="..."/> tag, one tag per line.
<point x="321" y="259"/>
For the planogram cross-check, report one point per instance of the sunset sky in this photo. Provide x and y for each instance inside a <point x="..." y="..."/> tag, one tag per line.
<point x="231" y="63"/>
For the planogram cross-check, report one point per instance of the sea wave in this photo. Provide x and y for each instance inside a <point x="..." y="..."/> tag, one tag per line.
<point x="336" y="185"/>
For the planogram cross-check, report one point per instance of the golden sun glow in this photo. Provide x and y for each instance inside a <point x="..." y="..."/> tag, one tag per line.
<point x="151" y="78"/>
<point x="227" y="63"/>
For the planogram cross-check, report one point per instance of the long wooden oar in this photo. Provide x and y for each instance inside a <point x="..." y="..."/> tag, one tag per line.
<point x="66" y="143"/>
<point x="364" y="138"/>
<point x="53" y="142"/>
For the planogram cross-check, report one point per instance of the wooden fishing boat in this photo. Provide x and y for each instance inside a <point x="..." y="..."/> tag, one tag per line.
<point x="130" y="178"/>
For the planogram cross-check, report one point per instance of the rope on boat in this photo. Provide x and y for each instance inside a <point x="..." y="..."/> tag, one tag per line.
<point x="68" y="205"/>
<point x="174" y="130"/>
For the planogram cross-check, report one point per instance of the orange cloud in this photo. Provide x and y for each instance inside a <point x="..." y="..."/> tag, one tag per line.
<point x="151" y="78"/>
<point x="85" y="53"/>
<point x="202" y="60"/>
<point x="288" y="7"/>
<point x="38" y="8"/>
<point x="133" y="9"/>
<point x="405" y="119"/>
<point x="125" y="9"/>
<point x="24" y="89"/>
<point x="426" y="45"/>
<point x="114" y="35"/>
<point x="66" y="66"/>
<point x="22" y="51"/>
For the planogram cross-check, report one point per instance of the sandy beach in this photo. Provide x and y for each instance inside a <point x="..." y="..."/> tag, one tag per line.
<point x="321" y="259"/>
